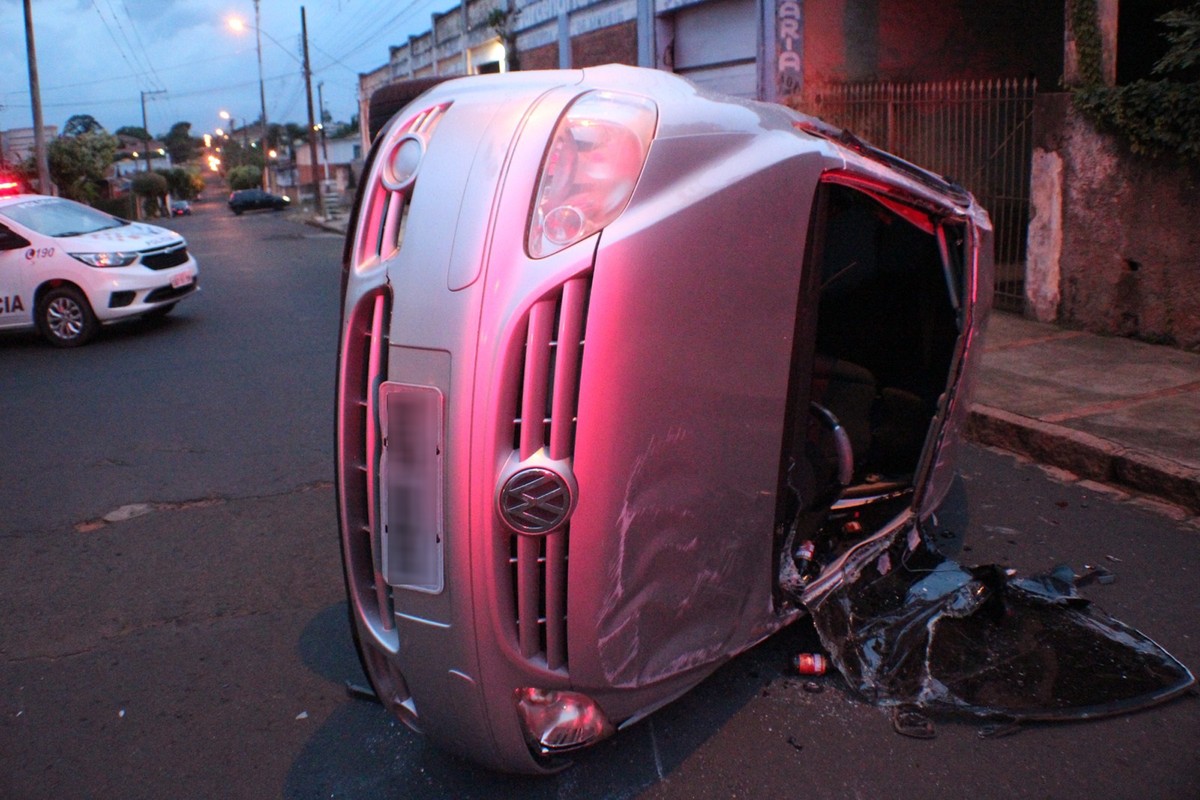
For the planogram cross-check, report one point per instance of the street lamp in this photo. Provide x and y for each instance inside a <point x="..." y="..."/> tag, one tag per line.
<point x="239" y="26"/>
<point x="232" y="120"/>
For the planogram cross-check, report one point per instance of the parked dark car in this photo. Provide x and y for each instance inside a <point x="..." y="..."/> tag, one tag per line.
<point x="181" y="208"/>
<point x="256" y="200"/>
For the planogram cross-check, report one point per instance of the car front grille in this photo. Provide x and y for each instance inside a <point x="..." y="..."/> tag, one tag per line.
<point x="362" y="367"/>
<point x="165" y="257"/>
<point x="545" y="417"/>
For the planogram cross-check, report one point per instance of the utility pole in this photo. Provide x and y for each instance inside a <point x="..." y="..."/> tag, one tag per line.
<point x="35" y="99"/>
<point x="145" y="125"/>
<point x="324" y="147"/>
<point x="312" y="128"/>
<point x="262" y="99"/>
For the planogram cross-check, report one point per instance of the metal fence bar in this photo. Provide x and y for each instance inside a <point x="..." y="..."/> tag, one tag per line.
<point x="976" y="132"/>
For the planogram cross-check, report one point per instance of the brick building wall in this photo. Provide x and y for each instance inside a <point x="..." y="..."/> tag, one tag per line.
<point x="545" y="57"/>
<point x="616" y="44"/>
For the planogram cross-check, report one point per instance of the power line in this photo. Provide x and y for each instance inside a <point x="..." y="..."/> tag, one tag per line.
<point x="113" y="36"/>
<point x="141" y="44"/>
<point x="381" y="30"/>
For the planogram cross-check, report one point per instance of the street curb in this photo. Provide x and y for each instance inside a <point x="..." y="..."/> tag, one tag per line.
<point x="315" y="222"/>
<point x="1088" y="456"/>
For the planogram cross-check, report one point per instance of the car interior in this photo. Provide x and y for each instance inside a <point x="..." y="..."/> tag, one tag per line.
<point x="881" y="308"/>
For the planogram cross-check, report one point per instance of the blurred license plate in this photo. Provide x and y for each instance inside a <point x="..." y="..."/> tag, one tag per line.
<point x="181" y="280"/>
<point x="411" y="485"/>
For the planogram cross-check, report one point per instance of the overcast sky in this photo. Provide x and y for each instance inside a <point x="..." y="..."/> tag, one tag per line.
<point x="97" y="56"/>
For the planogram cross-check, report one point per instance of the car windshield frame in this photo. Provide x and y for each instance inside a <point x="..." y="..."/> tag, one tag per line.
<point x="59" y="218"/>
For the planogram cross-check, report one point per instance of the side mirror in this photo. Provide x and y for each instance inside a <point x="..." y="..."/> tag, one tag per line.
<point x="10" y="240"/>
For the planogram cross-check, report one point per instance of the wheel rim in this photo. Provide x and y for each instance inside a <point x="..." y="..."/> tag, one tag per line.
<point x="64" y="317"/>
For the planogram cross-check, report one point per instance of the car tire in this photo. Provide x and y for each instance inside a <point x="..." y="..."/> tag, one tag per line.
<point x="159" y="312"/>
<point x="65" y="318"/>
<point x="237" y="212"/>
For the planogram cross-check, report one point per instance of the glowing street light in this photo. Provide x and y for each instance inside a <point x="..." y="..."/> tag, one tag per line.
<point x="232" y="120"/>
<point x="238" y="25"/>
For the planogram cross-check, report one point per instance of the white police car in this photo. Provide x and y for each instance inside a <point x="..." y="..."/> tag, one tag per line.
<point x="66" y="268"/>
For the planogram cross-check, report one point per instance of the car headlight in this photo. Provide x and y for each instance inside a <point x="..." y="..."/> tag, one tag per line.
<point x="105" y="259"/>
<point x="590" y="169"/>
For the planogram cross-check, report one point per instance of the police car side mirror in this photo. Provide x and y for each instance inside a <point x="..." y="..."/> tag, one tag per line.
<point x="10" y="240"/>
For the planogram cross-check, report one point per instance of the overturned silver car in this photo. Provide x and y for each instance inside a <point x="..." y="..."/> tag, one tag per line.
<point x="630" y="378"/>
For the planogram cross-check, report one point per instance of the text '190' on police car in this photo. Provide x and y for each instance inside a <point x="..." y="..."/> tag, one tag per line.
<point x="67" y="269"/>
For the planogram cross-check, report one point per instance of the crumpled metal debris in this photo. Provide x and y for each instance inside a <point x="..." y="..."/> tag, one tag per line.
<point x="916" y="631"/>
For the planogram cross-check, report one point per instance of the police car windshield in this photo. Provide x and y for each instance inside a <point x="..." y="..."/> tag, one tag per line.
<point x="52" y="216"/>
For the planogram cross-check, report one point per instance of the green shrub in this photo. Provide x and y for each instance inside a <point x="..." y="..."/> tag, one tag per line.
<point x="149" y="184"/>
<point x="1155" y="117"/>
<point x="245" y="177"/>
<point x="183" y="183"/>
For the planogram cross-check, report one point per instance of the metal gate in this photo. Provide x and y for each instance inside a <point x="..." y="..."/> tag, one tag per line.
<point x="977" y="133"/>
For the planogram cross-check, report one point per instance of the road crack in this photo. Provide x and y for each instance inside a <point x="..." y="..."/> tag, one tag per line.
<point x="134" y="510"/>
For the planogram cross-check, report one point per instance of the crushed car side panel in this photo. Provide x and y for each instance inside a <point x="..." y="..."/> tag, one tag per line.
<point x="693" y="307"/>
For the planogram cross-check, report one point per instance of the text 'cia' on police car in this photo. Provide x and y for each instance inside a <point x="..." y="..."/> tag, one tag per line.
<point x="66" y="268"/>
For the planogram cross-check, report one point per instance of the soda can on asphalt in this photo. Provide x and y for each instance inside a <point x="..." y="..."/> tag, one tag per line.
<point x="811" y="664"/>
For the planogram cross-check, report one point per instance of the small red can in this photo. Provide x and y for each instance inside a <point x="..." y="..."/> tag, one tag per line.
<point x="811" y="664"/>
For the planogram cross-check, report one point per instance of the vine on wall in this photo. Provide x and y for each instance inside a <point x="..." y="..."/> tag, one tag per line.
<point x="1156" y="117"/>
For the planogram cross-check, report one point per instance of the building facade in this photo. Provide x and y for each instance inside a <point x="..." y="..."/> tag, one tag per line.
<point x="865" y="64"/>
<point x="17" y="144"/>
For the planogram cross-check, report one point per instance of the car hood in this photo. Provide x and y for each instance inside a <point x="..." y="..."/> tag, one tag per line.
<point x="135" y="236"/>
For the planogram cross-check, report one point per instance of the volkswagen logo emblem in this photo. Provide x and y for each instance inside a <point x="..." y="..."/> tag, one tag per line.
<point x="535" y="501"/>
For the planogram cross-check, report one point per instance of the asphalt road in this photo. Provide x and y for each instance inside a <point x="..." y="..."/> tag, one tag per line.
<point x="196" y="646"/>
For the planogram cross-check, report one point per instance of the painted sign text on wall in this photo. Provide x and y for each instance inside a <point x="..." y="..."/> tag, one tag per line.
<point x="789" y="27"/>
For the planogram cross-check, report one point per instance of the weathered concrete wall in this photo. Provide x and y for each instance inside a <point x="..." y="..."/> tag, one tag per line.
<point x="1130" y="243"/>
<point x="918" y="40"/>
<point x="1043" y="259"/>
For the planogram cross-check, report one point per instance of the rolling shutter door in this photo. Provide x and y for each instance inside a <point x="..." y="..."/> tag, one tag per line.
<point x="716" y="46"/>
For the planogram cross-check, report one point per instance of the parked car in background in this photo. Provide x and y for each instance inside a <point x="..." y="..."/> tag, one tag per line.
<point x="649" y="375"/>
<point x="181" y="208"/>
<point x="256" y="200"/>
<point x="66" y="268"/>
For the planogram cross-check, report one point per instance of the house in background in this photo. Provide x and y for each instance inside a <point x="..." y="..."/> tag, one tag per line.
<point x="131" y="156"/>
<point x="338" y="166"/>
<point x="16" y="144"/>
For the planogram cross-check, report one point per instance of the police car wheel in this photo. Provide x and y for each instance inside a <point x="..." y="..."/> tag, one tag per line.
<point x="65" y="318"/>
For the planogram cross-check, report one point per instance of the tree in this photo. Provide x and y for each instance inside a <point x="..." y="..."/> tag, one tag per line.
<point x="183" y="184"/>
<point x="345" y="128"/>
<point x="244" y="177"/>
<point x="180" y="143"/>
<point x="233" y="154"/>
<point x="150" y="186"/>
<point x="134" y="132"/>
<point x="78" y="163"/>
<point x="503" y="21"/>
<point x="295" y="133"/>
<point x="1154" y="116"/>
<point x="81" y="124"/>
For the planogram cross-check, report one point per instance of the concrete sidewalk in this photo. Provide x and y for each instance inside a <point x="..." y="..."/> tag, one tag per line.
<point x="1107" y="409"/>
